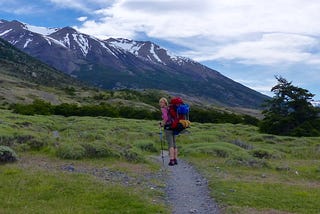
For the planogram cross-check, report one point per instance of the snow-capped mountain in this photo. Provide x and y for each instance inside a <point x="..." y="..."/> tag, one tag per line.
<point x="123" y="63"/>
<point x="148" y="51"/>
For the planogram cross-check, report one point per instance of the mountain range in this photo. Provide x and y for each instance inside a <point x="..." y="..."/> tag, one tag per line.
<point x="118" y="63"/>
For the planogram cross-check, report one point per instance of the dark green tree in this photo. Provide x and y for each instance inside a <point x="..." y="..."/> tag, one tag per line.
<point x="290" y="112"/>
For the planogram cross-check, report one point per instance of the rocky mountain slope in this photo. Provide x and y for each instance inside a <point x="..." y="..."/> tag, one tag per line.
<point x="122" y="63"/>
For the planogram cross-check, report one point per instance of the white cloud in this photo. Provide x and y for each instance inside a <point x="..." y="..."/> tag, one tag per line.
<point x="251" y="32"/>
<point x="270" y="49"/>
<point x="82" y="18"/>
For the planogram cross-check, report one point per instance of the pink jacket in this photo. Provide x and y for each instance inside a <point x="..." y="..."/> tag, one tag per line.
<point x="164" y="115"/>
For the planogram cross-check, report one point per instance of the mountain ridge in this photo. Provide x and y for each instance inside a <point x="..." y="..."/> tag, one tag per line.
<point x="123" y="63"/>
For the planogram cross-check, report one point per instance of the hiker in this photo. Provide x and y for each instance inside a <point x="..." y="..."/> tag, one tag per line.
<point x="170" y="137"/>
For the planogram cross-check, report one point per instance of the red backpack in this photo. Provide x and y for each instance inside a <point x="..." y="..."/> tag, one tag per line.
<point x="178" y="114"/>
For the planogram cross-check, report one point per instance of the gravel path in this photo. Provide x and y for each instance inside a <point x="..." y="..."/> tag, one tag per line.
<point x="187" y="191"/>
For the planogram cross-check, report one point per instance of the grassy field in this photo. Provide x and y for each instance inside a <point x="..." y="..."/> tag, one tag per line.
<point x="106" y="165"/>
<point x="249" y="172"/>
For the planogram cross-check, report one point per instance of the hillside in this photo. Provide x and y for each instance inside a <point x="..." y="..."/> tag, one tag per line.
<point x="24" y="79"/>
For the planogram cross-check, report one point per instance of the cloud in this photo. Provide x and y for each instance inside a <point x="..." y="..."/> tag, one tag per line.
<point x="82" y="18"/>
<point x="262" y="85"/>
<point x="14" y="7"/>
<point x="81" y="5"/>
<point x="270" y="48"/>
<point x="250" y="32"/>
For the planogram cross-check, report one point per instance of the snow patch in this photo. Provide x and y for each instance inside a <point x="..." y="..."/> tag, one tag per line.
<point x="50" y="40"/>
<point x="40" y="30"/>
<point x="152" y="51"/>
<point x="124" y="45"/>
<point x="82" y="42"/>
<point x="107" y="48"/>
<point x="27" y="42"/>
<point x="66" y="40"/>
<point x="5" y="32"/>
<point x="127" y="45"/>
<point x="13" y="42"/>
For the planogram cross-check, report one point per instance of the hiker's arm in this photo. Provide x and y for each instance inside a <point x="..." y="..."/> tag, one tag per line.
<point x="164" y="116"/>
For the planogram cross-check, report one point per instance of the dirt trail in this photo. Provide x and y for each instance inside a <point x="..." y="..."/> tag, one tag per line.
<point x="187" y="191"/>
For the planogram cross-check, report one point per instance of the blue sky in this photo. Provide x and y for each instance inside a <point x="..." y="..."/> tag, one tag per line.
<point x="245" y="40"/>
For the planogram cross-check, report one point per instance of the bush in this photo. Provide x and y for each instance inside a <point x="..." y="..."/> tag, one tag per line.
<point x="35" y="144"/>
<point x="242" y="144"/>
<point x="39" y="107"/>
<point x="261" y="154"/>
<point x="246" y="160"/>
<point x="7" y="154"/>
<point x="147" y="146"/>
<point x="198" y="115"/>
<point x="267" y="154"/>
<point x="97" y="149"/>
<point x="133" y="155"/>
<point x="25" y="142"/>
<point x="71" y="151"/>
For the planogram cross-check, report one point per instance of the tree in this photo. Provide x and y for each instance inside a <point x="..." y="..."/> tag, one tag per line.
<point x="290" y="112"/>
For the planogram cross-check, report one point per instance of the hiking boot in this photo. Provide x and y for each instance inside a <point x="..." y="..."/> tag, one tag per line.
<point x="175" y="161"/>
<point x="171" y="163"/>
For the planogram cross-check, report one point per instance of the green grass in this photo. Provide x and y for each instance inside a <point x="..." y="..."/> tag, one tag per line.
<point x="278" y="196"/>
<point x="28" y="191"/>
<point x="117" y="144"/>
<point x="248" y="172"/>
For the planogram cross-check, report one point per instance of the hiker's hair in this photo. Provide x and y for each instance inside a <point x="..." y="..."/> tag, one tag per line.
<point x="163" y="99"/>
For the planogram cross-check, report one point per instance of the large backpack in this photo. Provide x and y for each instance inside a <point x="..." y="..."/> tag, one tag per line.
<point x="178" y="115"/>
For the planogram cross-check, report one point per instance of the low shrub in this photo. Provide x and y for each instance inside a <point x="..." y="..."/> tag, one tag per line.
<point x="133" y="155"/>
<point x="266" y="154"/>
<point x="261" y="154"/>
<point x="12" y="141"/>
<point x="97" y="149"/>
<point x="218" y="149"/>
<point x="146" y="145"/>
<point x="242" y="144"/>
<point x="36" y="144"/>
<point x="7" y="154"/>
<point x="71" y="151"/>
<point x="247" y="161"/>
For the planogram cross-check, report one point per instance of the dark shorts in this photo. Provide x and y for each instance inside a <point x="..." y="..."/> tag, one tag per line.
<point x="171" y="138"/>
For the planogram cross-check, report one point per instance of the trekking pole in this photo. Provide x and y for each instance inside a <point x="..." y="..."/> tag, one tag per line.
<point x="161" y="145"/>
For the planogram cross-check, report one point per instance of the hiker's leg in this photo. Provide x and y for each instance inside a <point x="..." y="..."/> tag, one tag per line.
<point x="175" y="150"/>
<point x="170" y="139"/>
<point x="171" y="153"/>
